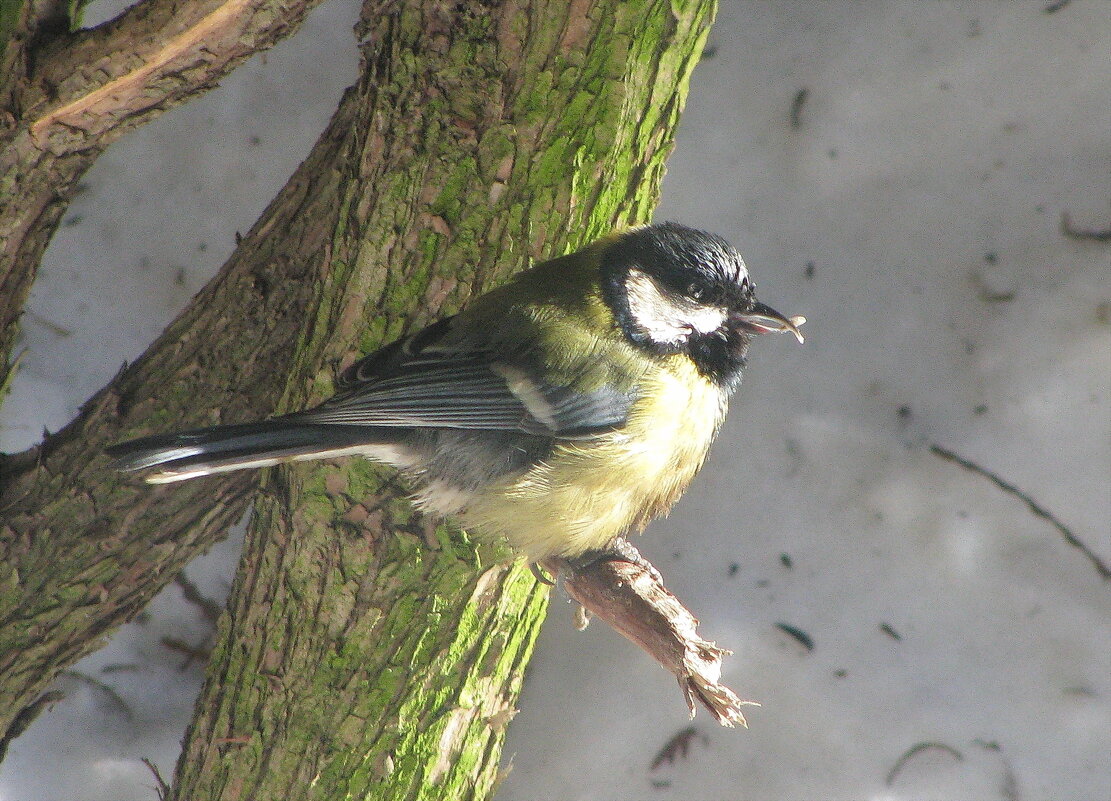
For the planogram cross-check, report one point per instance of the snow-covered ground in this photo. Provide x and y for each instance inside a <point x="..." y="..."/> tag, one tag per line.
<point x="913" y="215"/>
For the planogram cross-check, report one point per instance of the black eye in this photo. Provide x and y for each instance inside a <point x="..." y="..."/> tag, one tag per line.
<point x="696" y="292"/>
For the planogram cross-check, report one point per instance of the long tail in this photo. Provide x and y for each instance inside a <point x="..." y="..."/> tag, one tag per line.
<point x="219" y="449"/>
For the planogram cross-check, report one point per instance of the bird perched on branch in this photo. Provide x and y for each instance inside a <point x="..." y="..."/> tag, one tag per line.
<point x="560" y="411"/>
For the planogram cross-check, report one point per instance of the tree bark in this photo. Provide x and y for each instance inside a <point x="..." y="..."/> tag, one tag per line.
<point x="66" y="96"/>
<point x="82" y="548"/>
<point x="79" y="553"/>
<point x="368" y="652"/>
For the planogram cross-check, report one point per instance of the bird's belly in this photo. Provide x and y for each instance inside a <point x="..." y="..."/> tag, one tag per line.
<point x="588" y="492"/>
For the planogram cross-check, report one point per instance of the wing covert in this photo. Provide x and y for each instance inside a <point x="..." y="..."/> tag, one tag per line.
<point x="423" y="382"/>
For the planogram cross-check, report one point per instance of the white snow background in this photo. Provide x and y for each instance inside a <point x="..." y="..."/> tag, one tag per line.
<point x="913" y="216"/>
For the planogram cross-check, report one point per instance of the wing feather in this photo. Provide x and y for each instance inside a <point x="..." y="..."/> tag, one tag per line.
<point x="420" y="383"/>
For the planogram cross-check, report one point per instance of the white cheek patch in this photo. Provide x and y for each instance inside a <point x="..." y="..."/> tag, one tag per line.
<point x="666" y="317"/>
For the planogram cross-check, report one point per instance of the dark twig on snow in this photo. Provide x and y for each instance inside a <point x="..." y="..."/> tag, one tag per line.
<point x="678" y="746"/>
<point x="1073" y="232"/>
<point x="917" y="749"/>
<point x="1034" y="506"/>
<point x="796" y="107"/>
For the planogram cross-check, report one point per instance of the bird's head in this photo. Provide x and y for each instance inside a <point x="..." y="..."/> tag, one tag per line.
<point x="675" y="289"/>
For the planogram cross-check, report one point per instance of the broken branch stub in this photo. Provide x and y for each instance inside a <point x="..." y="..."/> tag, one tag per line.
<point x="632" y="599"/>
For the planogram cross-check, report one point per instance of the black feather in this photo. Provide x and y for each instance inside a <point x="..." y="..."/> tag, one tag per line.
<point x="226" y="445"/>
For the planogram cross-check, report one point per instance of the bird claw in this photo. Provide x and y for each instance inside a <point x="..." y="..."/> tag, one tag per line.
<point x="620" y="549"/>
<point x="540" y="575"/>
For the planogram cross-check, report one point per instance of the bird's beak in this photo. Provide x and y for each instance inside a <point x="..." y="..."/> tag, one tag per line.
<point x="761" y="319"/>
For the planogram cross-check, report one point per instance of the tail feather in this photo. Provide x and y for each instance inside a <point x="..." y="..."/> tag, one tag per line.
<point x="220" y="449"/>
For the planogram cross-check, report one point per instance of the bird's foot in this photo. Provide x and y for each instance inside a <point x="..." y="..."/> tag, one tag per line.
<point x="619" y="549"/>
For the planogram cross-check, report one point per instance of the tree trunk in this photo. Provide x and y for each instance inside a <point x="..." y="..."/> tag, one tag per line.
<point x="367" y="652"/>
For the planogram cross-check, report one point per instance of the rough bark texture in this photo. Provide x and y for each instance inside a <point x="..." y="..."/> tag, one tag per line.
<point x="66" y="96"/>
<point x="81" y="548"/>
<point x="79" y="554"/>
<point x="369" y="653"/>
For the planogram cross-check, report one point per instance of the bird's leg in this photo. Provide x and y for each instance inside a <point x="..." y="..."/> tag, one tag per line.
<point x="619" y="549"/>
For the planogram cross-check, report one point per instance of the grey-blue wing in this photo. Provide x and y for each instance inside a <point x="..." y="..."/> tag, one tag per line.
<point x="418" y="383"/>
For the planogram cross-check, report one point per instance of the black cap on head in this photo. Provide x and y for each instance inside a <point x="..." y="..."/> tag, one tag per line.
<point x="678" y="255"/>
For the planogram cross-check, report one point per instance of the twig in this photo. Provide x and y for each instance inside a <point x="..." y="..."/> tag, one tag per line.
<point x="1072" y="232"/>
<point x="209" y="608"/>
<point x="1034" y="506"/>
<point x="1055" y="5"/>
<point x="631" y="598"/>
<point x="889" y="630"/>
<point x="678" y="746"/>
<point x="796" y="107"/>
<point x="917" y="749"/>
<point x="162" y="789"/>
<point x="803" y="638"/>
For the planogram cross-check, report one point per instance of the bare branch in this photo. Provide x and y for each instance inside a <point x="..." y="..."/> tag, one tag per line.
<point x="64" y="97"/>
<point x="151" y="57"/>
<point x="632" y="599"/>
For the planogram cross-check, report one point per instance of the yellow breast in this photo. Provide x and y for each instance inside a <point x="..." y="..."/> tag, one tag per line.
<point x="590" y="491"/>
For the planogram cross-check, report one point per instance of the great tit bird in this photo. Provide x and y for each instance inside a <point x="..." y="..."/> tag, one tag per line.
<point x="564" y="409"/>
